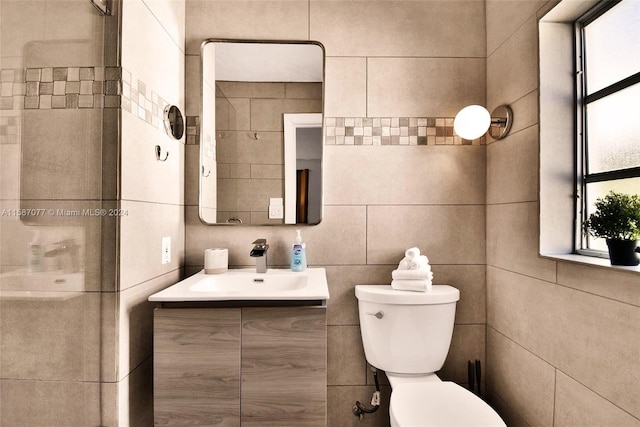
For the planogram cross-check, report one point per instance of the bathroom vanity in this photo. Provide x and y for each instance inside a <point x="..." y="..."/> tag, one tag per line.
<point x="228" y="354"/>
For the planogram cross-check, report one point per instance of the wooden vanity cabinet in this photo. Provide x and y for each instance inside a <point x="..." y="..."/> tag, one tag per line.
<point x="249" y="366"/>
<point x="196" y="367"/>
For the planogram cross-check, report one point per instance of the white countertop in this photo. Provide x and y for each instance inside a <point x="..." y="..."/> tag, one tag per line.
<point x="247" y="285"/>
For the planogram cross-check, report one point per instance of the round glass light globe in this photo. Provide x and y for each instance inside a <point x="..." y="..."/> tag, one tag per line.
<point x="472" y="122"/>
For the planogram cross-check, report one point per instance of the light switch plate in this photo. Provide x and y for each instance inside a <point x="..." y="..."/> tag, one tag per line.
<point x="166" y="250"/>
<point x="276" y="210"/>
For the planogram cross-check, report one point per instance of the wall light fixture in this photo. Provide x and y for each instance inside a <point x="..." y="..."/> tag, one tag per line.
<point x="474" y="121"/>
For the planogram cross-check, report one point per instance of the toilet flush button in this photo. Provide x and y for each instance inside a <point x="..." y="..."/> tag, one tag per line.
<point x="379" y="314"/>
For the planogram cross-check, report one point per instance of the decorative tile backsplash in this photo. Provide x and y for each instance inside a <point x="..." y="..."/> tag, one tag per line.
<point x="114" y="87"/>
<point x="377" y="131"/>
<point x="393" y="131"/>
<point x="140" y="100"/>
<point x="193" y="130"/>
<point x="76" y="87"/>
<point x="60" y="88"/>
<point x="10" y="129"/>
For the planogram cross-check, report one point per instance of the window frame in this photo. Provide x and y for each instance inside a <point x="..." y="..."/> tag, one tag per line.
<point x="582" y="175"/>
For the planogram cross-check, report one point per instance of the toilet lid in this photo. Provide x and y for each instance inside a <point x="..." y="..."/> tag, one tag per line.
<point x="439" y="404"/>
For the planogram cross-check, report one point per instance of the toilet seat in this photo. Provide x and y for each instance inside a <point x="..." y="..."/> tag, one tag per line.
<point x="439" y="404"/>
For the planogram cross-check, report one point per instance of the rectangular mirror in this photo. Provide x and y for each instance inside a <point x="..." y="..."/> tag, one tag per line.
<point x="261" y="141"/>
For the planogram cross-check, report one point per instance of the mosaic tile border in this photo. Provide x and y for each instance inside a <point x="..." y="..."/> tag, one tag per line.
<point x="141" y="101"/>
<point x="393" y="131"/>
<point x="376" y="131"/>
<point x="10" y="129"/>
<point x="60" y="88"/>
<point x="193" y="130"/>
<point x="115" y="87"/>
<point x="76" y="88"/>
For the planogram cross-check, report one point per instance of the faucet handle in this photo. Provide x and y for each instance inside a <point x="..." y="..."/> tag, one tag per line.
<point x="260" y="248"/>
<point x="259" y="252"/>
<point x="66" y="243"/>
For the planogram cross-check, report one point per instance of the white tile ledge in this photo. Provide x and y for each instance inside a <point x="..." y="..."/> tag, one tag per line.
<point x="592" y="261"/>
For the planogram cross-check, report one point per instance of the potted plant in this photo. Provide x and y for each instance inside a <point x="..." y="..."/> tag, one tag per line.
<point x="617" y="219"/>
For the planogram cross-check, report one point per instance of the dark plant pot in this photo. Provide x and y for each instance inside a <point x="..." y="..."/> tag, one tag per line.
<point x="622" y="252"/>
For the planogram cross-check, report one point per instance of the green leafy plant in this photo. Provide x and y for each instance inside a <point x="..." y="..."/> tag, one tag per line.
<point x="617" y="216"/>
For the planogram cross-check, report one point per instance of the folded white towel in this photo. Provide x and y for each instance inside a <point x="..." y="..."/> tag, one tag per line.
<point x="420" y="274"/>
<point x="412" y="285"/>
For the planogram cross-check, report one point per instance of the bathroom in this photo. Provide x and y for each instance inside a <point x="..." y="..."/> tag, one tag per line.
<point x="558" y="339"/>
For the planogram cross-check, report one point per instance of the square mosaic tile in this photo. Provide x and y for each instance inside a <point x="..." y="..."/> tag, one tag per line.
<point x="59" y="87"/>
<point x="376" y="131"/>
<point x="393" y="131"/>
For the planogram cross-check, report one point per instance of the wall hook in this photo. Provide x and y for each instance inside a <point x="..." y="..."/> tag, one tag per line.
<point x="206" y="174"/>
<point x="255" y="136"/>
<point x="159" y="154"/>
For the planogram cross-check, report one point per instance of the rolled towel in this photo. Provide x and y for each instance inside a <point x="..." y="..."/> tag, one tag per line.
<point x="404" y="264"/>
<point x="412" y="253"/>
<point x="420" y="274"/>
<point x="412" y="285"/>
<point x="413" y="260"/>
<point x="410" y="257"/>
<point x="418" y="263"/>
<point x="423" y="262"/>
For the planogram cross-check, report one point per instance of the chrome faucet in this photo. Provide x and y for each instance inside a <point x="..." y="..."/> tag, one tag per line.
<point x="66" y="251"/>
<point x="259" y="252"/>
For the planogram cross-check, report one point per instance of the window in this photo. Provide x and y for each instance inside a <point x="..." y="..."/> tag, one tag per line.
<point x="608" y="98"/>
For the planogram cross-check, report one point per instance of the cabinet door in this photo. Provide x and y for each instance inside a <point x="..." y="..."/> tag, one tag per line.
<point x="284" y="366"/>
<point x="196" y="367"/>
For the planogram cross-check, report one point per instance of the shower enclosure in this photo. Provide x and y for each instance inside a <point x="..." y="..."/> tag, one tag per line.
<point x="59" y="113"/>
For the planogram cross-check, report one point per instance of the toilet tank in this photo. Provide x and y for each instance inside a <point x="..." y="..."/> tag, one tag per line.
<point x="406" y="332"/>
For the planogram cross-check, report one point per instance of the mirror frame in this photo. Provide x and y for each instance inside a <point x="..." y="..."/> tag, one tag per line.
<point x="201" y="166"/>
<point x="173" y="122"/>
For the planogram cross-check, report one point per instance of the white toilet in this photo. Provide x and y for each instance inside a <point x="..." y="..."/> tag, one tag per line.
<point x="407" y="335"/>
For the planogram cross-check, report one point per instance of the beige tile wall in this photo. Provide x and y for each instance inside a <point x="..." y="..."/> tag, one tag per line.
<point x="562" y="338"/>
<point x="151" y="195"/>
<point x="384" y="59"/>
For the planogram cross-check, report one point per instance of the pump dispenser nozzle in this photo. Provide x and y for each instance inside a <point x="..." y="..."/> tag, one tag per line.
<point x="298" y="254"/>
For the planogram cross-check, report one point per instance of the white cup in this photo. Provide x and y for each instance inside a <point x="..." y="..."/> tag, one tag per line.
<point x="216" y="260"/>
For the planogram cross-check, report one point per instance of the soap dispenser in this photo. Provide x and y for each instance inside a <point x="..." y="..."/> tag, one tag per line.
<point x="298" y="254"/>
<point x="35" y="255"/>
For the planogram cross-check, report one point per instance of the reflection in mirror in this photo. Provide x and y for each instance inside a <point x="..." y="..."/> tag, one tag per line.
<point x="173" y="121"/>
<point x="261" y="140"/>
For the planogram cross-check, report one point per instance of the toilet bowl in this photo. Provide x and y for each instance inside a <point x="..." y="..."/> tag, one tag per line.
<point x="407" y="334"/>
<point x="439" y="404"/>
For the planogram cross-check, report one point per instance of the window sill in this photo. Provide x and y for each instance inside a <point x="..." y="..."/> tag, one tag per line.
<point x="592" y="261"/>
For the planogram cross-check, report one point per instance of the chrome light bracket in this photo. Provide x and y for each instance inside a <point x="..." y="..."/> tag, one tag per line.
<point x="501" y="121"/>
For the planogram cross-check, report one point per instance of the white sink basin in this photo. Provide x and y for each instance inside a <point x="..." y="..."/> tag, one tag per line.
<point x="21" y="284"/>
<point x="242" y="283"/>
<point x="247" y="285"/>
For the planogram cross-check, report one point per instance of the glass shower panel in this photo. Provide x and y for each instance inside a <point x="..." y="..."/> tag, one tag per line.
<point x="55" y="94"/>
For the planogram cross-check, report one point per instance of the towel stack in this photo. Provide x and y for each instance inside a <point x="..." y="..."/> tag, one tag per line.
<point x="413" y="273"/>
